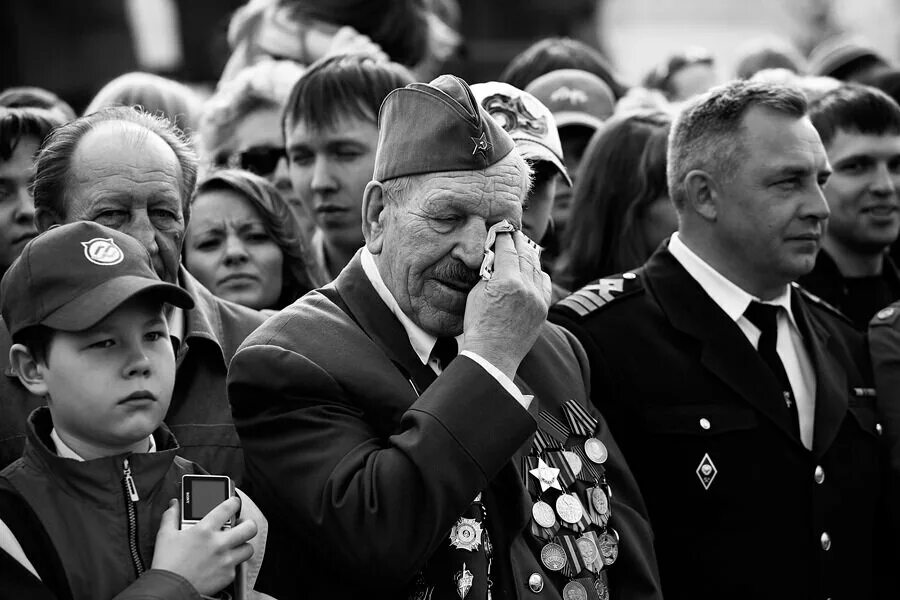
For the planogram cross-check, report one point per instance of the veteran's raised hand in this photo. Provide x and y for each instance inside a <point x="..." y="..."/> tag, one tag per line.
<point x="504" y="314"/>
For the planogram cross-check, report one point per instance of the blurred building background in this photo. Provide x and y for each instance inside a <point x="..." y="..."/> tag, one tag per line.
<point x="73" y="48"/>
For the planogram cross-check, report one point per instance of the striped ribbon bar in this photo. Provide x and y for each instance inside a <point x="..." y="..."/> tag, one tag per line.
<point x="554" y="427"/>
<point x="580" y="420"/>
<point x="556" y="459"/>
<point x="575" y="562"/>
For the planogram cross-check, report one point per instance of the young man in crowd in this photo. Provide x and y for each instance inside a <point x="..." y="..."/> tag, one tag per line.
<point x="21" y="132"/>
<point x="331" y="130"/>
<point x="86" y="313"/>
<point x="860" y="128"/>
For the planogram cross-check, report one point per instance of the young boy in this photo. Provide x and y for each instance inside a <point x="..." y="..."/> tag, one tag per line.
<point x="89" y="509"/>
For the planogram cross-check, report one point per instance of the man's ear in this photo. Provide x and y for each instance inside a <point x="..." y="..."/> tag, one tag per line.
<point x="44" y="219"/>
<point x="29" y="370"/>
<point x="702" y="194"/>
<point x="373" y="215"/>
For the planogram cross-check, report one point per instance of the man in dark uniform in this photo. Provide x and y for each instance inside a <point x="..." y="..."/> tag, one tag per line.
<point x="392" y="467"/>
<point x="744" y="406"/>
<point x="860" y="129"/>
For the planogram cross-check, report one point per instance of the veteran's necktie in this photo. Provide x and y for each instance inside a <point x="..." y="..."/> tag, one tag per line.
<point x="444" y="351"/>
<point x="765" y="317"/>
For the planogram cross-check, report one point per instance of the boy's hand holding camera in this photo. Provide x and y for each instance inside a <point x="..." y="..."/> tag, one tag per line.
<point x="205" y="554"/>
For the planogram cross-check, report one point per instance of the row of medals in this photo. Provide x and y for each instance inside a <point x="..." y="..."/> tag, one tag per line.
<point x="596" y="550"/>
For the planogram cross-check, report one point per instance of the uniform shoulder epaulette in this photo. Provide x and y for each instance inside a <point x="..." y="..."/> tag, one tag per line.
<point x="597" y="295"/>
<point x="822" y="304"/>
<point x="886" y="316"/>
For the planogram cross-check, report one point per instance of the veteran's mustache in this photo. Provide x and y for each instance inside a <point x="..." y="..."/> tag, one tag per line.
<point x="457" y="272"/>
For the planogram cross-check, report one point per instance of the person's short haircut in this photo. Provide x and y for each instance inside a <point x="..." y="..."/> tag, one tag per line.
<point x="708" y="133"/>
<point x="34" y="97"/>
<point x="346" y="85"/>
<point x="857" y="109"/>
<point x="554" y="53"/>
<point x="154" y="94"/>
<point x="279" y="222"/>
<point x="54" y="164"/>
<point x="16" y="123"/>
<point x="264" y="85"/>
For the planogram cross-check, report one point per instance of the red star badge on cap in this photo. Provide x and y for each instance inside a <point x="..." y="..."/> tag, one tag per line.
<point x="481" y="144"/>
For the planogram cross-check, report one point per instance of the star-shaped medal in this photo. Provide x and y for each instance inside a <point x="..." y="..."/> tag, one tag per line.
<point x="481" y="144"/>
<point x="466" y="535"/>
<point x="546" y="476"/>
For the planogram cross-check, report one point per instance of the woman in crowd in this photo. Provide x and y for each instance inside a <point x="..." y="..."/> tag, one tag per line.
<point x="621" y="200"/>
<point x="243" y="243"/>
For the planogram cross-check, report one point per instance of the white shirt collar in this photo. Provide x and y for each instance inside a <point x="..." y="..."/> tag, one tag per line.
<point x="63" y="451"/>
<point x="421" y="341"/>
<point x="730" y="297"/>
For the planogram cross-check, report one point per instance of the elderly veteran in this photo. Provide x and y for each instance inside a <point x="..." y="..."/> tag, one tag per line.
<point x="132" y="172"/>
<point x="390" y="465"/>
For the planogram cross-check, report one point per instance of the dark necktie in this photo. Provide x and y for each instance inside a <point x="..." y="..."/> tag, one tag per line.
<point x="445" y="350"/>
<point x="765" y="317"/>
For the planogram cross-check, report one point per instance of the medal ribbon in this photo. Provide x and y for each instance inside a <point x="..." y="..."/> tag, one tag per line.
<point x="542" y="441"/>
<point x="589" y="472"/>
<point x="575" y="562"/>
<point x="580" y="420"/>
<point x="554" y="427"/>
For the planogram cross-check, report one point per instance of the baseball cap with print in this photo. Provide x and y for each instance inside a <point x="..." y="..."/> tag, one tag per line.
<point x="527" y="121"/>
<point x="72" y="276"/>
<point x="575" y="97"/>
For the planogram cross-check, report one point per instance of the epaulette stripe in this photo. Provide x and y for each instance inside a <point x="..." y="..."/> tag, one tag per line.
<point x="575" y="305"/>
<point x="583" y="303"/>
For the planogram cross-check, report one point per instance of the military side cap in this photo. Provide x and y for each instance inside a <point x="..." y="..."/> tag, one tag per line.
<point x="72" y="276"/>
<point x="434" y="127"/>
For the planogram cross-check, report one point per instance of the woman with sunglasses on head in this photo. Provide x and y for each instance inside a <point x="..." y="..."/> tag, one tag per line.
<point x="622" y="208"/>
<point x="243" y="243"/>
<point x="240" y="127"/>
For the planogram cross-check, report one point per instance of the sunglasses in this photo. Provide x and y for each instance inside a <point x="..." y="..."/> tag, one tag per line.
<point x="262" y="160"/>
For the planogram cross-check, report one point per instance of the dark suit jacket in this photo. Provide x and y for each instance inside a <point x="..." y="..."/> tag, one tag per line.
<point x="199" y="414"/>
<point x="363" y="459"/>
<point x="677" y="381"/>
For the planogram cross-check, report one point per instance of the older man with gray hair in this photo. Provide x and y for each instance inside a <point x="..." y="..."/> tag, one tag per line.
<point x="416" y="423"/>
<point x="133" y="172"/>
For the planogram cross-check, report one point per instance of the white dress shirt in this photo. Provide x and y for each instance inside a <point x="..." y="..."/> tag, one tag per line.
<point x="791" y="350"/>
<point x="63" y="450"/>
<point x="423" y="342"/>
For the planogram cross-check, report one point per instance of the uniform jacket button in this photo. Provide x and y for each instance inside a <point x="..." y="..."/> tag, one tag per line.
<point x="878" y="428"/>
<point x="536" y="583"/>
<point x="704" y="423"/>
<point x="826" y="541"/>
<point x="819" y="475"/>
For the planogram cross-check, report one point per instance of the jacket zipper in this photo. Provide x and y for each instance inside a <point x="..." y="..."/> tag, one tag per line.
<point x="131" y="496"/>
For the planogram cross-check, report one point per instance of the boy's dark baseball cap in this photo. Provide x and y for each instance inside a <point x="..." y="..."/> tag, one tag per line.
<point x="72" y="276"/>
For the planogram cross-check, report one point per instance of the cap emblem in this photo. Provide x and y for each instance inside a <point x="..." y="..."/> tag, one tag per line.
<point x="481" y="144"/>
<point x="512" y="114"/>
<point x="567" y="94"/>
<point x="103" y="252"/>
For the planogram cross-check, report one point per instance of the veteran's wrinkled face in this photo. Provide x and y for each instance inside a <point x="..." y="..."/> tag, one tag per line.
<point x="430" y="245"/>
<point x="127" y="178"/>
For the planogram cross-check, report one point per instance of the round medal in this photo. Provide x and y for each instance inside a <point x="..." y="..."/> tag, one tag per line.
<point x="595" y="450"/>
<point x="602" y="586"/>
<point x="569" y="508"/>
<point x="588" y="549"/>
<point x="543" y="514"/>
<point x="573" y="460"/>
<point x="600" y="503"/>
<point x="609" y="548"/>
<point x="553" y="556"/>
<point x="574" y="591"/>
